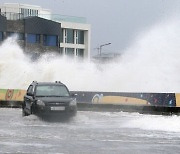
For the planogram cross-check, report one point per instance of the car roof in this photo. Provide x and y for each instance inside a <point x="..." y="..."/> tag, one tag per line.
<point x="47" y="83"/>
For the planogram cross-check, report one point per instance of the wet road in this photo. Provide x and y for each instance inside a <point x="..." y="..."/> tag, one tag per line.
<point x="89" y="132"/>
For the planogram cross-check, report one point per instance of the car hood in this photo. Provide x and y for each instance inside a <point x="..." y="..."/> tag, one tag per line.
<point x="55" y="99"/>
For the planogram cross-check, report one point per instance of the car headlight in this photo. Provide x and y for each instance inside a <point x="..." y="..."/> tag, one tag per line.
<point x="73" y="103"/>
<point x="40" y="103"/>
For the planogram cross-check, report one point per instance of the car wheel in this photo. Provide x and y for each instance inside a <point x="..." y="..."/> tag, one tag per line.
<point x="33" y="109"/>
<point x="73" y="113"/>
<point x="23" y="110"/>
<point x="24" y="113"/>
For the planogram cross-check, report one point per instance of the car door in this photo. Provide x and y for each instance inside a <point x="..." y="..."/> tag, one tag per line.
<point x="28" y="99"/>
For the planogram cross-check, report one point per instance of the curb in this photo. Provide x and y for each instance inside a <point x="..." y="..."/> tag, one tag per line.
<point x="11" y="104"/>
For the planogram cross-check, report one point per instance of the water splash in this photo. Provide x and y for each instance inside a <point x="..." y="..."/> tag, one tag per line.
<point x="154" y="122"/>
<point x="151" y="64"/>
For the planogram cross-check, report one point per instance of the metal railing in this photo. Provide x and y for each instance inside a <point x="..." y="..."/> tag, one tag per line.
<point x="12" y="16"/>
<point x="53" y="17"/>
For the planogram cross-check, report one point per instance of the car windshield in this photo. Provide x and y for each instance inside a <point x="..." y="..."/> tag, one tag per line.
<point x="52" y="90"/>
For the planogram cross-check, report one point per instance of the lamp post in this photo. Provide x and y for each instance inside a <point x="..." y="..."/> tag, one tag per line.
<point x="100" y="49"/>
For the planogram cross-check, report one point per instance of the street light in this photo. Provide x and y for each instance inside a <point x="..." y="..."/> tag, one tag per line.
<point x="100" y="49"/>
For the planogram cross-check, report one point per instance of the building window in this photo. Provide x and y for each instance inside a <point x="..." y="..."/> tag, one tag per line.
<point x="69" y="52"/>
<point x="30" y="89"/>
<point x="19" y="36"/>
<point x="80" y="52"/>
<point x="61" y="51"/>
<point x="33" y="38"/>
<point x="25" y="13"/>
<point x="29" y="12"/>
<point x="33" y="12"/>
<point x="80" y="36"/>
<point x="50" y="40"/>
<point x="1" y="36"/>
<point x="9" y="34"/>
<point x="70" y="36"/>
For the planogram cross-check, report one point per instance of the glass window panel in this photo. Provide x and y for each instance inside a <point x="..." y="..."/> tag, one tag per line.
<point x="50" y="40"/>
<point x="38" y="38"/>
<point x="25" y="12"/>
<point x="20" y="36"/>
<point x="33" y="38"/>
<point x="70" y="36"/>
<point x="32" y="12"/>
<point x="36" y="12"/>
<point x="80" y="52"/>
<point x="80" y="37"/>
<point x="61" y="51"/>
<point x="10" y="34"/>
<point x="30" y="89"/>
<point x="70" y="51"/>
<point x="51" y="90"/>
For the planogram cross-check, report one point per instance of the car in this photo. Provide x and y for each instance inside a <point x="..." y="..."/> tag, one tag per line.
<point x="45" y="98"/>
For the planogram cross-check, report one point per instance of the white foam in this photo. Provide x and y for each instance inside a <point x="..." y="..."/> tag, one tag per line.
<point x="156" y="123"/>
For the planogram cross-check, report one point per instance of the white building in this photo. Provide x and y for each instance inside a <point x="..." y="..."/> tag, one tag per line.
<point x="75" y="39"/>
<point x="75" y="36"/>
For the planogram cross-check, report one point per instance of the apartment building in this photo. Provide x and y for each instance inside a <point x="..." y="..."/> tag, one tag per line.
<point x="70" y="36"/>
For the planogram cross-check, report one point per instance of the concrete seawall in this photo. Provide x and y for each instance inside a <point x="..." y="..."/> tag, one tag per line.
<point x="163" y="110"/>
<point x="154" y="103"/>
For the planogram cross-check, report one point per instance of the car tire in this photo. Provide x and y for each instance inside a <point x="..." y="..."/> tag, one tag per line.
<point x="24" y="113"/>
<point x="73" y="113"/>
<point x="23" y="110"/>
<point x="33" y="109"/>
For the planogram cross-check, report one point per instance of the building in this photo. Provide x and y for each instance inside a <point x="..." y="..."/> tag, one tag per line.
<point x="34" y="34"/>
<point x="14" y="11"/>
<point x="67" y="35"/>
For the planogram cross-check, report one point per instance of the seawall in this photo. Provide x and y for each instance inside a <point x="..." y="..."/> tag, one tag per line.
<point x="154" y="103"/>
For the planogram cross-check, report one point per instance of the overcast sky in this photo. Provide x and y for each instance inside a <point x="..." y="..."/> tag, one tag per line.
<point x="115" y="21"/>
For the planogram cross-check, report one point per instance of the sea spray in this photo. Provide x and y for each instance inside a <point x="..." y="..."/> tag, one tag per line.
<point x="150" y="64"/>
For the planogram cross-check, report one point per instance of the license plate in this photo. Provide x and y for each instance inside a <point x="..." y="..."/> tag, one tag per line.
<point x="59" y="108"/>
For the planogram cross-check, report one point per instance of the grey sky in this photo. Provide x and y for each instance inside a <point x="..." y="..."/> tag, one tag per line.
<point x="115" y="21"/>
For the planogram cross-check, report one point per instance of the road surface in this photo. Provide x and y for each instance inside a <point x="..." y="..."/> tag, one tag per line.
<point x="89" y="132"/>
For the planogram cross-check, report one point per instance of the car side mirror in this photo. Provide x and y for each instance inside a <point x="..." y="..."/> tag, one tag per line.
<point x="30" y="94"/>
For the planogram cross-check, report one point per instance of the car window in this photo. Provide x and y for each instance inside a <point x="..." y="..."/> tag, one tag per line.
<point x="52" y="90"/>
<point x="30" y="89"/>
